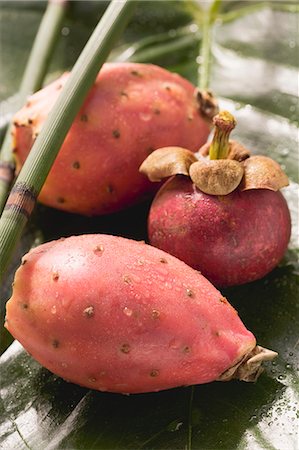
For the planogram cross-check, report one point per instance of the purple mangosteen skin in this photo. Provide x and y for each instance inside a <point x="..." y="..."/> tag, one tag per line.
<point x="232" y="239"/>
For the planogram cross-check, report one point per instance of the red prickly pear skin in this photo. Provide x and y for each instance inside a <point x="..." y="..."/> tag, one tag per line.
<point x="131" y="110"/>
<point x="118" y="315"/>
<point x="231" y="239"/>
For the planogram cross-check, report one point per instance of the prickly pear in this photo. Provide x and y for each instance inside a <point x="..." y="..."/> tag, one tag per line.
<point x="131" y="110"/>
<point x="118" y="315"/>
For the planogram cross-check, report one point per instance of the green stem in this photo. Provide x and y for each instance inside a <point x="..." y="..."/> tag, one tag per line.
<point x="43" y="47"/>
<point x="224" y="123"/>
<point x="149" y="54"/>
<point x="45" y="149"/>
<point x="34" y="74"/>
<point x="204" y="68"/>
<point x="251" y="9"/>
<point x="153" y="43"/>
<point x="205" y="53"/>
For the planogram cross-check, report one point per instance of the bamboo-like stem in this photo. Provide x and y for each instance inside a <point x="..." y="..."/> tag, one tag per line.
<point x="45" y="149"/>
<point x="34" y="74"/>
<point x="43" y="46"/>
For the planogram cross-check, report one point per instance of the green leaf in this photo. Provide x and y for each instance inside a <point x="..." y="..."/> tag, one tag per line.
<point x="253" y="75"/>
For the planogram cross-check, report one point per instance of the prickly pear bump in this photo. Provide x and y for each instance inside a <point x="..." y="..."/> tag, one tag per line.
<point x="118" y="315"/>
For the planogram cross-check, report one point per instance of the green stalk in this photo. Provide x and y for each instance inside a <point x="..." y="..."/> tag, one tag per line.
<point x="204" y="67"/>
<point x="34" y="74"/>
<point x="224" y="123"/>
<point x="43" y="46"/>
<point x="45" y="149"/>
<point x="205" y="53"/>
<point x="149" y="54"/>
<point x="158" y="45"/>
<point x="251" y="9"/>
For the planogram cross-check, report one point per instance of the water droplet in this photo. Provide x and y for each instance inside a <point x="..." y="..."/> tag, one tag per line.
<point x="174" y="344"/>
<point x="65" y="31"/>
<point x="161" y="279"/>
<point x="145" y="117"/>
<point x="53" y="309"/>
<point x="288" y="366"/>
<point x="127" y="311"/>
<point x="135" y="278"/>
<point x="281" y="377"/>
<point x="155" y="314"/>
<point x="174" y="426"/>
<point x="193" y="28"/>
<point x="284" y="152"/>
<point x="162" y="270"/>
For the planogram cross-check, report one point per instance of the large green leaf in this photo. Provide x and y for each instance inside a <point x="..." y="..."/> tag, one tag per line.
<point x="254" y="63"/>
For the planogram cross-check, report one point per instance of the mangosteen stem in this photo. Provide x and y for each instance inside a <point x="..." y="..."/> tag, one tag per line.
<point x="224" y="123"/>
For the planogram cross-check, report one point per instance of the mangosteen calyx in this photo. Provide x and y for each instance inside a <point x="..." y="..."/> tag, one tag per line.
<point x="167" y="161"/>
<point x="220" y="166"/>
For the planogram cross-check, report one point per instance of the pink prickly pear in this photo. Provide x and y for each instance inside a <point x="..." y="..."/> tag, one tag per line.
<point x="131" y="110"/>
<point x="118" y="315"/>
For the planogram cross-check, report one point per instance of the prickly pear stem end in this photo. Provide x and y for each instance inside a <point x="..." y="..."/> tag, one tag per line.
<point x="224" y="123"/>
<point x="249" y="367"/>
<point x="207" y="104"/>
